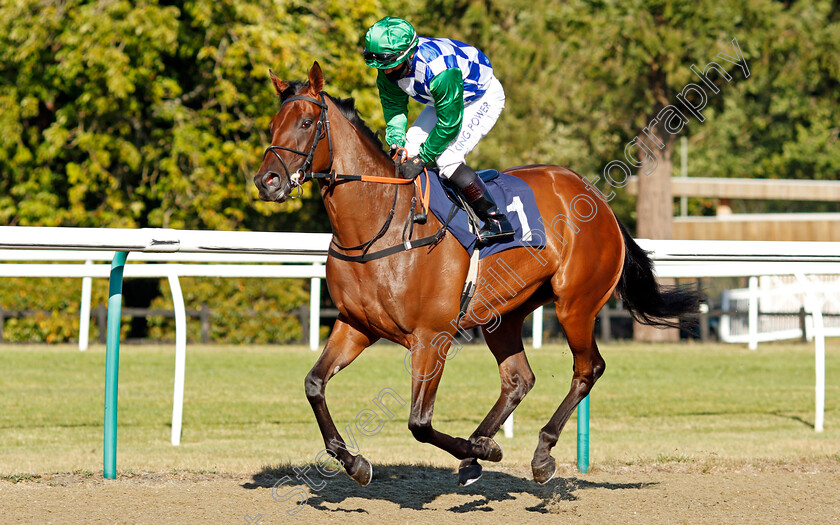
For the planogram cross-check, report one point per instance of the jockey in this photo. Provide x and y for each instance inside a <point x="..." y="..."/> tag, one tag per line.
<point x="463" y="100"/>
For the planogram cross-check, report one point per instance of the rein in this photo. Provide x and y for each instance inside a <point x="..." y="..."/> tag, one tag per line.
<point x="301" y="176"/>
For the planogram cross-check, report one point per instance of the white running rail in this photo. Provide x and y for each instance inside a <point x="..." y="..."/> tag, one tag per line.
<point x="677" y="259"/>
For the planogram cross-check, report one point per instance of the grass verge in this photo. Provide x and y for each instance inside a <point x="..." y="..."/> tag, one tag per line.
<point x="699" y="405"/>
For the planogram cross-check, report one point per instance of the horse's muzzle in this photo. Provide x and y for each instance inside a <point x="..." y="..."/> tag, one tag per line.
<point x="272" y="187"/>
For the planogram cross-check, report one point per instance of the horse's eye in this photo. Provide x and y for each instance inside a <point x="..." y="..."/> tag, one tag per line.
<point x="306" y="123"/>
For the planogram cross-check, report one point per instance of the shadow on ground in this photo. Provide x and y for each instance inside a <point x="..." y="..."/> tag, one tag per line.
<point x="414" y="487"/>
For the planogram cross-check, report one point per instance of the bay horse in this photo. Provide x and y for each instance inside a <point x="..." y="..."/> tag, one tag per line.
<point x="411" y="295"/>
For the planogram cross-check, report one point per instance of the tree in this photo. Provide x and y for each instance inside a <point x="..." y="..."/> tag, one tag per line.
<point x="784" y="122"/>
<point x="155" y="113"/>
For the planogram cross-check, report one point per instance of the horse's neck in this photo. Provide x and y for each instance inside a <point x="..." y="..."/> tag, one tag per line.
<point x="357" y="210"/>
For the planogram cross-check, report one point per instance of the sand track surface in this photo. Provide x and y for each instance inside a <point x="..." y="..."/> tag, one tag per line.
<point x="669" y="493"/>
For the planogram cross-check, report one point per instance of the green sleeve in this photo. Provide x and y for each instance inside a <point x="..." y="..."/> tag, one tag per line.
<point x="447" y="90"/>
<point x="395" y="108"/>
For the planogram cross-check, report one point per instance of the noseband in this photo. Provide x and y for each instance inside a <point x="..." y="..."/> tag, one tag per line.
<point x="322" y="128"/>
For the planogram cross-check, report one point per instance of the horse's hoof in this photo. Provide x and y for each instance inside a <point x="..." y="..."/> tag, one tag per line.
<point x="494" y="451"/>
<point x="469" y="474"/>
<point x="362" y="471"/>
<point x="544" y="472"/>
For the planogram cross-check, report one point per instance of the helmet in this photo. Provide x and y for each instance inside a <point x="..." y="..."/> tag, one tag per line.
<point x="388" y="42"/>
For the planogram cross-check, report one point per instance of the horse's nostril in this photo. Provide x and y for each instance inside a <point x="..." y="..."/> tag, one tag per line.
<point x="271" y="178"/>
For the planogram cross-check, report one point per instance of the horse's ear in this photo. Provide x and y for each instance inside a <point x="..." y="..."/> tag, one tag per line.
<point x="280" y="86"/>
<point x="316" y="78"/>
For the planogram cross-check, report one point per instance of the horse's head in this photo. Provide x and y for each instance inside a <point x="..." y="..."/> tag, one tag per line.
<point x="296" y="132"/>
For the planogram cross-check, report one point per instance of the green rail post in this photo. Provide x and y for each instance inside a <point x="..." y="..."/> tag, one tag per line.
<point x="112" y="363"/>
<point x="583" y="435"/>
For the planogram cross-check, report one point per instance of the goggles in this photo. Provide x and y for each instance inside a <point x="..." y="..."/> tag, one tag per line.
<point x="385" y="58"/>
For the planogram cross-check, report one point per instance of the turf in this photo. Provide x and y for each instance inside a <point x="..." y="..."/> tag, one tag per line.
<point x="245" y="407"/>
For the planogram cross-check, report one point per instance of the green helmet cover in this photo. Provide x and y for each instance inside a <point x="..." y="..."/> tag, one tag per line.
<point x="388" y="42"/>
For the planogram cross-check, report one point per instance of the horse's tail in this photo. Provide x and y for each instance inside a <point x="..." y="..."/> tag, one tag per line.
<point x="648" y="302"/>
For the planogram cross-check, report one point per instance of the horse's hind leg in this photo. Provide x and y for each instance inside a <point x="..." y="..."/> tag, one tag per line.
<point x="517" y="380"/>
<point x="343" y="346"/>
<point x="588" y="367"/>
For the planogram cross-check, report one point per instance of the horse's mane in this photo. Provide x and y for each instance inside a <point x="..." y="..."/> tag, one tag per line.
<point x="347" y="106"/>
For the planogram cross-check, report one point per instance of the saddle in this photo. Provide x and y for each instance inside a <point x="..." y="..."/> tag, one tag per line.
<point x="458" y="200"/>
<point x="511" y="193"/>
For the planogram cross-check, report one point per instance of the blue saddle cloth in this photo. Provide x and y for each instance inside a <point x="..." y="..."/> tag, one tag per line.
<point x="512" y="195"/>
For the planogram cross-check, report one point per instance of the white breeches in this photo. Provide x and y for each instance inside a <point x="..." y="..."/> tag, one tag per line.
<point x="479" y="117"/>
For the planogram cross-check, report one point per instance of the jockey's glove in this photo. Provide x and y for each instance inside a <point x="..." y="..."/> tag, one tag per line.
<point x="412" y="167"/>
<point x="397" y="154"/>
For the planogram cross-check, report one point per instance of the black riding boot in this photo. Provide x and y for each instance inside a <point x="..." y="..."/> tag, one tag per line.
<point x="496" y="227"/>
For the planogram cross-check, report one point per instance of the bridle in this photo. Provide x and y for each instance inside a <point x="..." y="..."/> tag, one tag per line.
<point x="322" y="129"/>
<point x="305" y="173"/>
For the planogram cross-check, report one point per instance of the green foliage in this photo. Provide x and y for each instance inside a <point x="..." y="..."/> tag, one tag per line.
<point x="783" y="122"/>
<point x="155" y="114"/>
<point x="242" y="310"/>
<point x="136" y="114"/>
<point x="583" y="78"/>
<point x="56" y="303"/>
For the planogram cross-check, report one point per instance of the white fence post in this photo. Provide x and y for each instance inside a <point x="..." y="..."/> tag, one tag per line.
<point x="813" y="302"/>
<point x="753" y="313"/>
<point x="537" y="329"/>
<point x="314" y="311"/>
<point x="180" y="356"/>
<point x="84" y="312"/>
<point x="509" y="426"/>
<point x="725" y="329"/>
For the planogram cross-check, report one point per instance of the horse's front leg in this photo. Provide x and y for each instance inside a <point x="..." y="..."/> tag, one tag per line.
<point x="426" y="368"/>
<point x="343" y="346"/>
